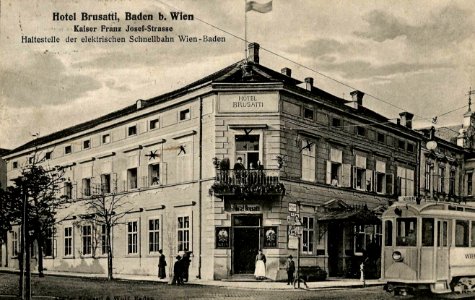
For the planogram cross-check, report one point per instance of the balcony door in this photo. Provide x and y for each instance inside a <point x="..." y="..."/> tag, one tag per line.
<point x="247" y="147"/>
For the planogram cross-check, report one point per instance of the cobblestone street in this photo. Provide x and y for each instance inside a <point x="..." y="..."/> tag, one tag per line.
<point x="56" y="287"/>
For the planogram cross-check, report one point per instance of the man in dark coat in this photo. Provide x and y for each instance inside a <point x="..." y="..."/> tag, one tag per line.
<point x="162" y="263"/>
<point x="186" y="265"/>
<point x="178" y="271"/>
<point x="290" y="267"/>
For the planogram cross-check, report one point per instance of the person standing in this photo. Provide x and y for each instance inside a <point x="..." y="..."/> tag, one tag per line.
<point x="177" y="271"/>
<point x="162" y="263"/>
<point x="186" y="264"/>
<point x="290" y="267"/>
<point x="260" y="272"/>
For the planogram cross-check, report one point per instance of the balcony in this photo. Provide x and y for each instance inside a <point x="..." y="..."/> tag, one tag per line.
<point x="265" y="182"/>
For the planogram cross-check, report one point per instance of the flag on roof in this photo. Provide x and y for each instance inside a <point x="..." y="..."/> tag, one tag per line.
<point x="259" y="7"/>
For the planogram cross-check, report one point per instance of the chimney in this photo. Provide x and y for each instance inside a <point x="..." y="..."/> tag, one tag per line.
<point x="286" y="72"/>
<point x="308" y="83"/>
<point x="406" y="119"/>
<point x="140" y="103"/>
<point x="253" y="53"/>
<point x="356" y="99"/>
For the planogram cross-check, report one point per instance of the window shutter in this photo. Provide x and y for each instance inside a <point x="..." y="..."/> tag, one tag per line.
<point x="389" y="184"/>
<point x="353" y="168"/>
<point x="114" y="182"/>
<point x="123" y="184"/>
<point x="369" y="178"/>
<point x="329" y="172"/>
<point x="375" y="181"/>
<point x="346" y="175"/>
<point x="163" y="173"/>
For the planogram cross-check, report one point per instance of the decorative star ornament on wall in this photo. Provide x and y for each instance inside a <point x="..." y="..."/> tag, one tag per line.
<point x="152" y="155"/>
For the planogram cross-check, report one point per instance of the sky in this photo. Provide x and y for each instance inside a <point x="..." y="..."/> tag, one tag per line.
<point x="407" y="55"/>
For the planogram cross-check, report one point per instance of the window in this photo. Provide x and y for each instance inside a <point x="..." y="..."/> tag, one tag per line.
<point x="428" y="175"/>
<point x="361" y="131"/>
<point x="452" y="182"/>
<point x="388" y="230"/>
<point x="132" y="178"/>
<point x="473" y="233"/>
<point x="68" y="149"/>
<point x="106" y="138"/>
<point x="401" y="144"/>
<point x="15" y="165"/>
<point x="105" y="183"/>
<point x="86" y="231"/>
<point x="334" y="167"/>
<point x="469" y="184"/>
<point x="103" y="239"/>
<point x="308" y="162"/>
<point x="410" y="148"/>
<point x="86" y="187"/>
<point x="367" y="239"/>
<point x="154" y="124"/>
<point x="308" y="235"/>
<point x="185" y="114"/>
<point x="247" y="147"/>
<point x="381" y="178"/>
<point x="132" y="130"/>
<point x="336" y="122"/>
<point x="49" y="240"/>
<point x="406" y="234"/>
<point x="15" y="243"/>
<point x="406" y="181"/>
<point x="153" y="235"/>
<point x="381" y="137"/>
<point x="48" y="155"/>
<point x="68" y="241"/>
<point x="441" y="180"/>
<point x="442" y="234"/>
<point x="86" y="144"/>
<point x="183" y="233"/>
<point x="31" y="160"/>
<point x="360" y="182"/>
<point x="132" y="237"/>
<point x="461" y="233"/>
<point x="154" y="174"/>
<point x="308" y="113"/>
<point x="427" y="232"/>
<point x="68" y="189"/>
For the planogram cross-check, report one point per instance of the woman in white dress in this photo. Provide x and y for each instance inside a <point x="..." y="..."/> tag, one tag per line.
<point x="260" y="272"/>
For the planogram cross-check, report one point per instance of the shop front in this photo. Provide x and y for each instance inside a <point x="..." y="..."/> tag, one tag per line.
<point x="354" y="237"/>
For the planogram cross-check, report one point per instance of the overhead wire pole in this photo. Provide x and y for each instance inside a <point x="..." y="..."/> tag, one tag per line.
<point x="245" y="30"/>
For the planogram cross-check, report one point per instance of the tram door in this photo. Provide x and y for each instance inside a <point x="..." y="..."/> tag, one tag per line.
<point x="442" y="271"/>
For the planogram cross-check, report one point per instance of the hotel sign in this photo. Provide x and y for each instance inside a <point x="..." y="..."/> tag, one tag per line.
<point x="248" y="103"/>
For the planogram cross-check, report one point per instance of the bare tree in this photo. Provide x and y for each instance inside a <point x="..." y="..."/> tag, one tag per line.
<point x="107" y="210"/>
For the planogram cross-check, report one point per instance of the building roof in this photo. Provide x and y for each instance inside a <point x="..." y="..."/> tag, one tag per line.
<point x="239" y="72"/>
<point x="4" y="151"/>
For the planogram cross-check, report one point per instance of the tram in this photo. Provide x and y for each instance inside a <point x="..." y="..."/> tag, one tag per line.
<point x="428" y="245"/>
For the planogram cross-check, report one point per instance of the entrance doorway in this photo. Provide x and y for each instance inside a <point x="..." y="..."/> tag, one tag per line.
<point x="246" y="242"/>
<point x="335" y="248"/>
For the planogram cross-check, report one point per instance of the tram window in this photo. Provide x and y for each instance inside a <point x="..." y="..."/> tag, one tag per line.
<point x="473" y="233"/>
<point x="442" y="233"/>
<point x="427" y="232"/>
<point x="406" y="232"/>
<point x="388" y="234"/>
<point x="461" y="233"/>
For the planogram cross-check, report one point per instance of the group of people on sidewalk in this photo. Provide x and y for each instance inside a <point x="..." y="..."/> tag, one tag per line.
<point x="180" y="268"/>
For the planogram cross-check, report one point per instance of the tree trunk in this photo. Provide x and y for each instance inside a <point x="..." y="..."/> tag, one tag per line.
<point x="109" y="253"/>
<point x="40" y="259"/>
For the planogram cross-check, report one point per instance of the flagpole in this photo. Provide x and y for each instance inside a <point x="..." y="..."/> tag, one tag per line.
<point x="245" y="30"/>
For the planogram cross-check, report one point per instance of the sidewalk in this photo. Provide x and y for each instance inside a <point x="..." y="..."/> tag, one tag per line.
<point x="331" y="283"/>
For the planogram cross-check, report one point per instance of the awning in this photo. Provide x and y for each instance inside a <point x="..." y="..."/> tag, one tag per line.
<point x="349" y="215"/>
